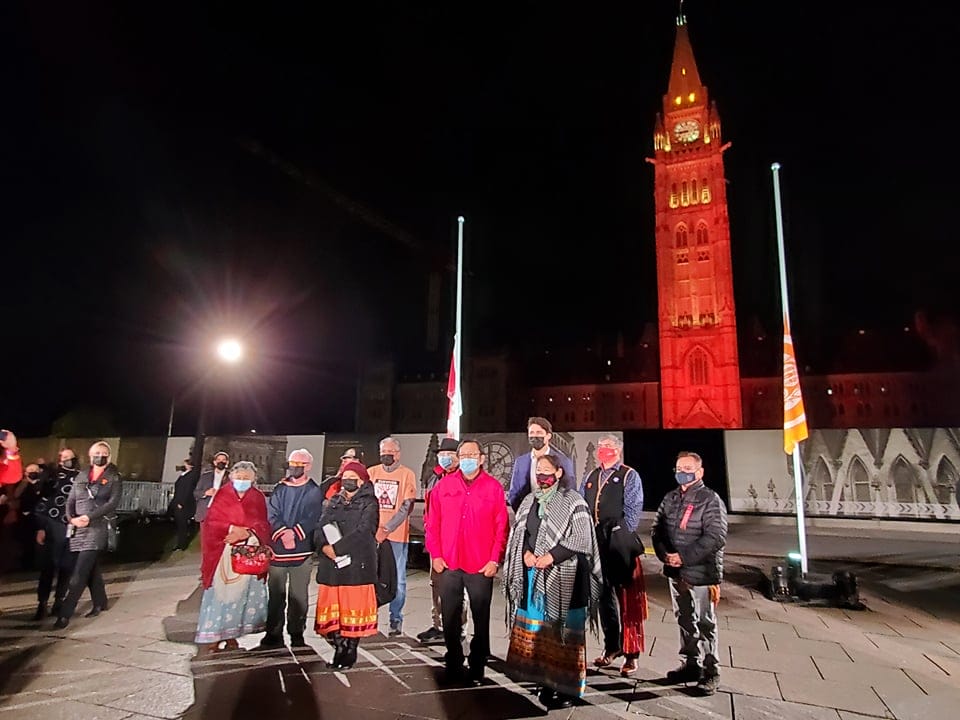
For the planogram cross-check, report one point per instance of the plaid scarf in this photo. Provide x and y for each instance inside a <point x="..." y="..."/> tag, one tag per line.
<point x="567" y="523"/>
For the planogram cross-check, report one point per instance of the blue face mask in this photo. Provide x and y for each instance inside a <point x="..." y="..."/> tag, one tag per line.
<point x="445" y="461"/>
<point x="684" y="478"/>
<point x="469" y="465"/>
<point x="242" y="485"/>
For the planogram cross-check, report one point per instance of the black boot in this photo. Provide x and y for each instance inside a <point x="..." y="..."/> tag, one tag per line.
<point x="41" y="612"/>
<point x="338" y="644"/>
<point x="349" y="657"/>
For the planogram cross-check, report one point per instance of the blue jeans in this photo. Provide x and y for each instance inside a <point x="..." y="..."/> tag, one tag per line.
<point x="400" y="551"/>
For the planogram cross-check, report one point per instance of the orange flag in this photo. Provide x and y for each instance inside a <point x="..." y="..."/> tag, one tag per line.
<point x="794" y="418"/>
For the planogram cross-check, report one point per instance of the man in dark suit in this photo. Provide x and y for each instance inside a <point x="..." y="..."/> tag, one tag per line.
<point x="183" y="505"/>
<point x="539" y="433"/>
<point x="209" y="483"/>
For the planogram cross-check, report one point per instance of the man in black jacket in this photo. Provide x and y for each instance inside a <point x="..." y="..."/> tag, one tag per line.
<point x="689" y="534"/>
<point x="183" y="505"/>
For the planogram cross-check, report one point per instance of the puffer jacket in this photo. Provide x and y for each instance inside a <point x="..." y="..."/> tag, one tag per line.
<point x="105" y="498"/>
<point x="693" y="524"/>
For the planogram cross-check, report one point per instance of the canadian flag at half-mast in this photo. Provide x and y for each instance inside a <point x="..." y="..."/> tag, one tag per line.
<point x="454" y="400"/>
<point x="794" y="417"/>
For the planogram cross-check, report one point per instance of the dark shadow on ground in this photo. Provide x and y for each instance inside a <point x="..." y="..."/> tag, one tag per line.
<point x="249" y="685"/>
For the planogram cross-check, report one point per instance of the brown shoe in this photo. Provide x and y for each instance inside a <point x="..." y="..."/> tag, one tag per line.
<point x="229" y="645"/>
<point x="205" y="651"/>
<point x="629" y="667"/>
<point x="607" y="659"/>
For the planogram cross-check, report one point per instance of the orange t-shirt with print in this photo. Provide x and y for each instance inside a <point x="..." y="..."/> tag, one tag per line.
<point x="392" y="489"/>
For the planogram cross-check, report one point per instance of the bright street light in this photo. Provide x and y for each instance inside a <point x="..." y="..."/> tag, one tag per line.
<point x="230" y="350"/>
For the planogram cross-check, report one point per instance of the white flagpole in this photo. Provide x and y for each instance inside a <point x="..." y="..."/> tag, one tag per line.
<point x="797" y="469"/>
<point x="458" y="332"/>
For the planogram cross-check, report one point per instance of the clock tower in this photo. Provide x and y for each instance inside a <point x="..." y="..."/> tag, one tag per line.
<point x="699" y="366"/>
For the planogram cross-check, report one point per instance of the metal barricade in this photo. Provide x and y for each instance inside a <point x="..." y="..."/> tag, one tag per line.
<point x="145" y="498"/>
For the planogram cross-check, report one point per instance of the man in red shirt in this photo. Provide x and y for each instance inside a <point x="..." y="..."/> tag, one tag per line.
<point x="466" y="530"/>
<point x="11" y="467"/>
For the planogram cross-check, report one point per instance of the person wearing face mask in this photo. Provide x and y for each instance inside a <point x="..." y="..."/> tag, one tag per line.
<point x="447" y="462"/>
<point x="232" y="604"/>
<point x="208" y="484"/>
<point x="346" y="594"/>
<point x="466" y="531"/>
<point x="395" y="486"/>
<point x="331" y="483"/>
<point x="50" y="517"/>
<point x="26" y="495"/>
<point x="552" y="582"/>
<point x="614" y="493"/>
<point x="94" y="497"/>
<point x="523" y="480"/>
<point x="293" y="509"/>
<point x="689" y="534"/>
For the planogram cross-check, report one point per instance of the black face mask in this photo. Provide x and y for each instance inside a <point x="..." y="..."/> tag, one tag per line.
<point x="100" y="460"/>
<point x="295" y="473"/>
<point x="537" y="443"/>
<point x="69" y="463"/>
<point x="33" y="475"/>
<point x="221" y="466"/>
<point x="388" y="459"/>
<point x="349" y="484"/>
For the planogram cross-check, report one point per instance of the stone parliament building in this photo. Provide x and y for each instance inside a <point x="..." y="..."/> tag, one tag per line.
<point x="693" y="367"/>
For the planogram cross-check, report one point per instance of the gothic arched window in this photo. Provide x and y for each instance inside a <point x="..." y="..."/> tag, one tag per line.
<point x="681" y="236"/>
<point x="674" y="196"/>
<point x="698" y="366"/>
<point x="705" y="196"/>
<point x="702" y="234"/>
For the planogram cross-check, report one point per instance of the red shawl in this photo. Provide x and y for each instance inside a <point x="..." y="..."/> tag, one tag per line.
<point x="227" y="509"/>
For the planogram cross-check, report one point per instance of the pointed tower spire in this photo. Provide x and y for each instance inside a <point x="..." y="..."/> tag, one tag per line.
<point x="684" y="77"/>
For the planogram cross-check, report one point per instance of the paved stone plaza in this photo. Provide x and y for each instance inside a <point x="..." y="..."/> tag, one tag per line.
<point x="893" y="660"/>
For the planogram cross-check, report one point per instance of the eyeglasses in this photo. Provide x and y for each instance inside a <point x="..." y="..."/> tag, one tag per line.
<point x="476" y="456"/>
<point x="688" y="469"/>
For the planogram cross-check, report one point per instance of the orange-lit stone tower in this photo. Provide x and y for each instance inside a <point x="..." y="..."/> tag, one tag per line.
<point x="699" y="368"/>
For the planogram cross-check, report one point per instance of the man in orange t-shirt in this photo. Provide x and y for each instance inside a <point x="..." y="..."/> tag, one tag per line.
<point x="395" y="486"/>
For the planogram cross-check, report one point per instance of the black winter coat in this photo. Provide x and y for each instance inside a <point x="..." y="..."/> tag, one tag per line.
<point x="699" y="541"/>
<point x="358" y="520"/>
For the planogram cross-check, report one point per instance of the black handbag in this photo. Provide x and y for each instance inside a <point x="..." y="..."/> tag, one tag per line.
<point x="112" y="523"/>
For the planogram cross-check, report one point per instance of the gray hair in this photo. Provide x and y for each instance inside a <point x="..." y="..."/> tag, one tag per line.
<point x="245" y="466"/>
<point x="301" y="451"/>
<point x="391" y="439"/>
<point x="611" y="438"/>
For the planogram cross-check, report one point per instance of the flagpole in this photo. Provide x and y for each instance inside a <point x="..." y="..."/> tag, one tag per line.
<point x="458" y="332"/>
<point x="797" y="469"/>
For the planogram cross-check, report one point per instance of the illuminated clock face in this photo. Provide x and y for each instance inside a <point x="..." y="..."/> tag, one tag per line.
<point x="686" y="131"/>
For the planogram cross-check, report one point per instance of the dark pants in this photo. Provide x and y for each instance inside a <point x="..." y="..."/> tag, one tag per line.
<point x="184" y="521"/>
<point x="298" y="577"/>
<point x="56" y="563"/>
<point x="480" y="591"/>
<point x="85" y="572"/>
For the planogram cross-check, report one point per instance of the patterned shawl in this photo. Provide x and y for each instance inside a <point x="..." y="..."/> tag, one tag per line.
<point x="567" y="523"/>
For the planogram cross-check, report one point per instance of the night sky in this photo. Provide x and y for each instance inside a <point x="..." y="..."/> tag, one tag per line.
<point x="292" y="173"/>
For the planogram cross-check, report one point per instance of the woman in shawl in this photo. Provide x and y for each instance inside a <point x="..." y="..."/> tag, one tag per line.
<point x="233" y="604"/>
<point x="347" y="569"/>
<point x="552" y="581"/>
